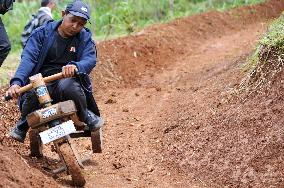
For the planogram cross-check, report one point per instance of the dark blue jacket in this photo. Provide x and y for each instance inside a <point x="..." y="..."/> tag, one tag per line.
<point x="36" y="49"/>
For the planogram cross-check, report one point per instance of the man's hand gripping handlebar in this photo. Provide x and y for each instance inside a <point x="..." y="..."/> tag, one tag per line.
<point x="18" y="90"/>
<point x="15" y="90"/>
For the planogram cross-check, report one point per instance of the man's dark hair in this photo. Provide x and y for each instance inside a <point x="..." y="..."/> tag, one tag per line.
<point x="44" y="3"/>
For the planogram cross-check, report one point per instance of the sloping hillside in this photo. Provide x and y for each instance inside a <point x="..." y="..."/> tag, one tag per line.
<point x="171" y="120"/>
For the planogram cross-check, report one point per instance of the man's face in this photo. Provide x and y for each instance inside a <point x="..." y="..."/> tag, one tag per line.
<point x="72" y="25"/>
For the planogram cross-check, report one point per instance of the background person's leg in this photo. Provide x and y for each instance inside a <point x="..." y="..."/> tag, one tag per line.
<point x="5" y="45"/>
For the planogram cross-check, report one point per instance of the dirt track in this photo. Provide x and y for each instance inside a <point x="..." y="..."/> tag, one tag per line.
<point x="169" y="122"/>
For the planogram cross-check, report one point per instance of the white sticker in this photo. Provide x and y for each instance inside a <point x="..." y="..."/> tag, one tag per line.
<point x="41" y="91"/>
<point x="57" y="132"/>
<point x="49" y="112"/>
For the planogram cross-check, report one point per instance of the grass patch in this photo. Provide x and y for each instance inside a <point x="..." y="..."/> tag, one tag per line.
<point x="110" y="18"/>
<point x="273" y="40"/>
<point x="8" y="68"/>
<point x="268" y="59"/>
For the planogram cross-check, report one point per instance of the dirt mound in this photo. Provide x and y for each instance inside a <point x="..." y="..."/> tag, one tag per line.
<point x="239" y="143"/>
<point x="123" y="62"/>
<point x="15" y="172"/>
<point x="178" y="102"/>
<point x="216" y="139"/>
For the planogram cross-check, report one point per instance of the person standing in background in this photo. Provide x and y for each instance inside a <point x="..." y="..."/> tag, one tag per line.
<point x="5" y="45"/>
<point x="43" y="16"/>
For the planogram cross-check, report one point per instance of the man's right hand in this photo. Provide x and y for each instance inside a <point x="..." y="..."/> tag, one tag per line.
<point x="13" y="91"/>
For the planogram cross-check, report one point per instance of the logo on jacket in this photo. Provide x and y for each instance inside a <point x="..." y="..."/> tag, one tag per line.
<point x="72" y="49"/>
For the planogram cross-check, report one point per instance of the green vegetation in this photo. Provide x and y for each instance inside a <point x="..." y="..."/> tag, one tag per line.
<point x="275" y="35"/>
<point x="272" y="40"/>
<point x="110" y="18"/>
<point x="268" y="58"/>
<point x="7" y="69"/>
<point x="124" y="17"/>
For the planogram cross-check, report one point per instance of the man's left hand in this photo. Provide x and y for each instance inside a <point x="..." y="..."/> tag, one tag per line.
<point x="68" y="71"/>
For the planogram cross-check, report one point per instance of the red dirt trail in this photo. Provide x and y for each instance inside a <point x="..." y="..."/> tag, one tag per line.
<point x="170" y="119"/>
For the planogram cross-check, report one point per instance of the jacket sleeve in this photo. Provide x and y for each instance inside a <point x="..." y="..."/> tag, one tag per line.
<point x="88" y="58"/>
<point x="29" y="58"/>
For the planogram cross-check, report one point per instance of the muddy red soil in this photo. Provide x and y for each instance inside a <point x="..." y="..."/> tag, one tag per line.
<point x="171" y="118"/>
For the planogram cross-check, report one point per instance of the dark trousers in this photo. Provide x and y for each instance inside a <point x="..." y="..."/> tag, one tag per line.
<point x="5" y="45"/>
<point x="62" y="90"/>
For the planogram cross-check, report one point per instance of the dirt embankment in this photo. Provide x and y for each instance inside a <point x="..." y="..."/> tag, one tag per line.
<point x="123" y="62"/>
<point x="15" y="172"/>
<point x="169" y="121"/>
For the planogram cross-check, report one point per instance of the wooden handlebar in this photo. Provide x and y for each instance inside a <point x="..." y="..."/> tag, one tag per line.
<point x="53" y="77"/>
<point x="45" y="79"/>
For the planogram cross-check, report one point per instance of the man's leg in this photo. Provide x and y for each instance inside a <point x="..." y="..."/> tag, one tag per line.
<point x="70" y="89"/>
<point x="5" y="45"/>
<point x="30" y="104"/>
